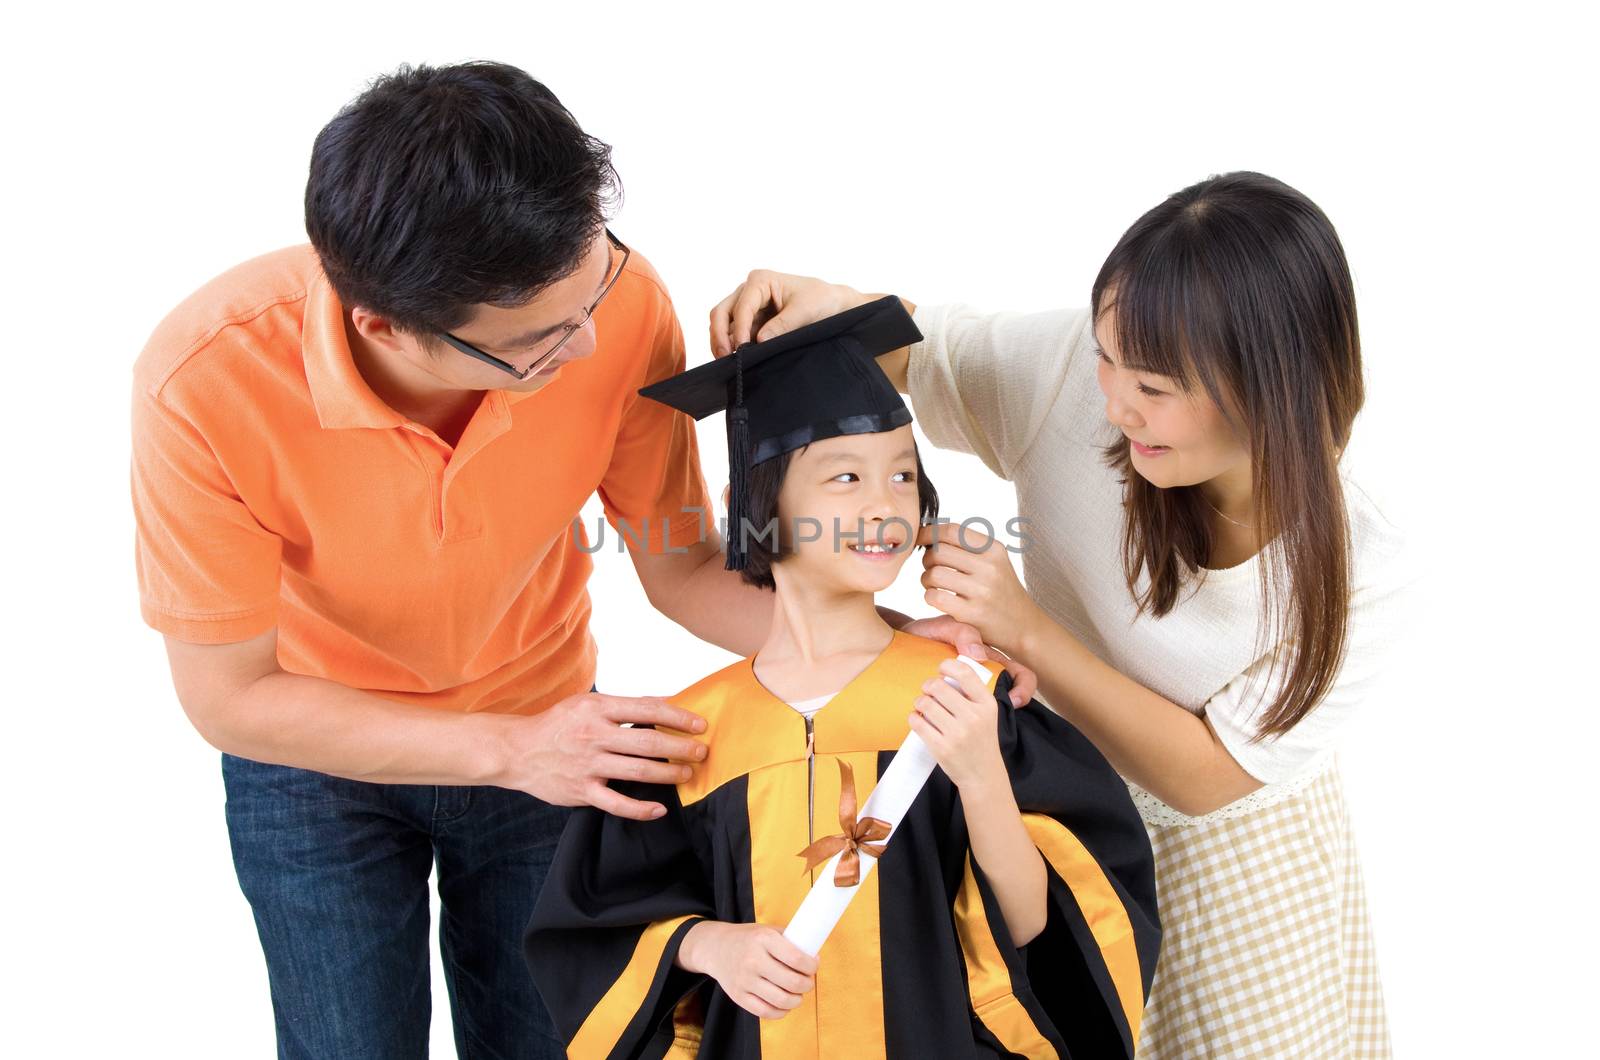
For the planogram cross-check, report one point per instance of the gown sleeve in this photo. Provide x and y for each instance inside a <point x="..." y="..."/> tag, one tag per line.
<point x="1088" y="973"/>
<point x="605" y="931"/>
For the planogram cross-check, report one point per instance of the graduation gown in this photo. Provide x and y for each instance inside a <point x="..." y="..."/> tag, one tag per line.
<point x="921" y="964"/>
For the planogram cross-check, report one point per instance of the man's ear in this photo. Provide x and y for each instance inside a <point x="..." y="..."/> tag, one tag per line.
<point x="374" y="328"/>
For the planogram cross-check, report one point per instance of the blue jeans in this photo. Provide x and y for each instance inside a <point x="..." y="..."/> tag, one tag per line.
<point x="336" y="872"/>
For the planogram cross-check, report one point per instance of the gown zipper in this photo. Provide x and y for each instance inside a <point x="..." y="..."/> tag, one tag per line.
<point x="811" y="784"/>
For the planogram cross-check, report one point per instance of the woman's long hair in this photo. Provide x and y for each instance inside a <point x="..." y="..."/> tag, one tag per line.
<point x="1239" y="285"/>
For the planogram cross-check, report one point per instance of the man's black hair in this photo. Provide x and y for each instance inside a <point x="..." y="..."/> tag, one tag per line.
<point x="440" y="188"/>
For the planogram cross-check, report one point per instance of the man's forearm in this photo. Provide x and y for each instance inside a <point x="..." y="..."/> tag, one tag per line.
<point x="719" y="606"/>
<point x="295" y="720"/>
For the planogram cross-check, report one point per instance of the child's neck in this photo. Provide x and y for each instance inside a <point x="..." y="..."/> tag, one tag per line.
<point x="819" y="642"/>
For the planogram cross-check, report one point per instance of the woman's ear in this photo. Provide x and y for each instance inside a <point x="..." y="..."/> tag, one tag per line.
<point x="725" y="491"/>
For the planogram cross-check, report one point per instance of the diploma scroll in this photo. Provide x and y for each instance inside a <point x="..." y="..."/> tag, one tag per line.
<point x="893" y="795"/>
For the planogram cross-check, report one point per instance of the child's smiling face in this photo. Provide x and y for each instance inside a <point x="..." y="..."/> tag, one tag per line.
<point x="866" y="486"/>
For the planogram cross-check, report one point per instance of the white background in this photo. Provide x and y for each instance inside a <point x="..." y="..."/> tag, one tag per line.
<point x="993" y="155"/>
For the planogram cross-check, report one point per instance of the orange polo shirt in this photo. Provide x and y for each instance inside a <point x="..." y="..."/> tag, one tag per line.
<point x="271" y="486"/>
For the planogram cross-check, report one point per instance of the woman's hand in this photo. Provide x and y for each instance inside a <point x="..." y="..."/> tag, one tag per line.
<point x="969" y="642"/>
<point x="764" y="973"/>
<point x="767" y="304"/>
<point x="968" y="575"/>
<point x="960" y="727"/>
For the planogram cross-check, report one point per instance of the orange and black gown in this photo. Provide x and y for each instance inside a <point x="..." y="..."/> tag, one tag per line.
<point x="920" y="965"/>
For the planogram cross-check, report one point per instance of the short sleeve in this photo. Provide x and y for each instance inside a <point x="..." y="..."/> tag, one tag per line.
<point x="983" y="383"/>
<point x="1378" y="621"/>
<point x="208" y="571"/>
<point x="654" y="477"/>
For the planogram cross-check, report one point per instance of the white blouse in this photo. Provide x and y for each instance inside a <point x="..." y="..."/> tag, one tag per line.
<point x="1020" y="392"/>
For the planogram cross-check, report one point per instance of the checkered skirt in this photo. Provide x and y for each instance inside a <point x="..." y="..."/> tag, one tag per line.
<point x="1265" y="949"/>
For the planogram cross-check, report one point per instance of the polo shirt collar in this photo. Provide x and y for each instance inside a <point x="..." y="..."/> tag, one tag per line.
<point x="339" y="393"/>
<point x="341" y="397"/>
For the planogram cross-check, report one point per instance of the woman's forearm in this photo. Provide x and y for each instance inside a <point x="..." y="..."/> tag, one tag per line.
<point x="896" y="364"/>
<point x="1160" y="746"/>
<point x="1010" y="861"/>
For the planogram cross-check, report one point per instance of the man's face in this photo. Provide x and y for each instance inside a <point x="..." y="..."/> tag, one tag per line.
<point x="520" y="335"/>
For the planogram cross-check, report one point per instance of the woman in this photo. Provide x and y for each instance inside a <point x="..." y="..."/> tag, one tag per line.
<point x="1209" y="596"/>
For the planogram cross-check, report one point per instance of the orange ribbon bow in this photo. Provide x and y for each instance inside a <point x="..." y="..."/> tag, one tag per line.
<point x="856" y="837"/>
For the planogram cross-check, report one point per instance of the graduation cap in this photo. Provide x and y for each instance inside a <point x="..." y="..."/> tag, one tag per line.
<point x="815" y="382"/>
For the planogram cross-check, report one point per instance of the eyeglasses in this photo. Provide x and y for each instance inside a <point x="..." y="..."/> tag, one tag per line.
<point x="567" y="330"/>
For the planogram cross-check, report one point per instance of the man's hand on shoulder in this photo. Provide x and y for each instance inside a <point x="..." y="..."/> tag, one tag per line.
<point x="568" y="753"/>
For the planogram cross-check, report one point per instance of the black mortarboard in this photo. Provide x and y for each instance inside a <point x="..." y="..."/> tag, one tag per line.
<point x="815" y="382"/>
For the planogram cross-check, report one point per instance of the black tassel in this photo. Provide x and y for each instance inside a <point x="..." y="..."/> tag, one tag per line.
<point x="738" y="472"/>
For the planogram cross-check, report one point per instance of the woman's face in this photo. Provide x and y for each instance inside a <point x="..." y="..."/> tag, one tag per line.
<point x="855" y="498"/>
<point x="1177" y="437"/>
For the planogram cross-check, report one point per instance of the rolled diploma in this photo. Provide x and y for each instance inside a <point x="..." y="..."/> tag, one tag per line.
<point x="893" y="795"/>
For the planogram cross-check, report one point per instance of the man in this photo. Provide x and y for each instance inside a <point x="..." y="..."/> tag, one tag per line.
<point x="357" y="468"/>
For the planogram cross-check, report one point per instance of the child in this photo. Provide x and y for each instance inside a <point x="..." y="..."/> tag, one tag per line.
<point x="1012" y="906"/>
